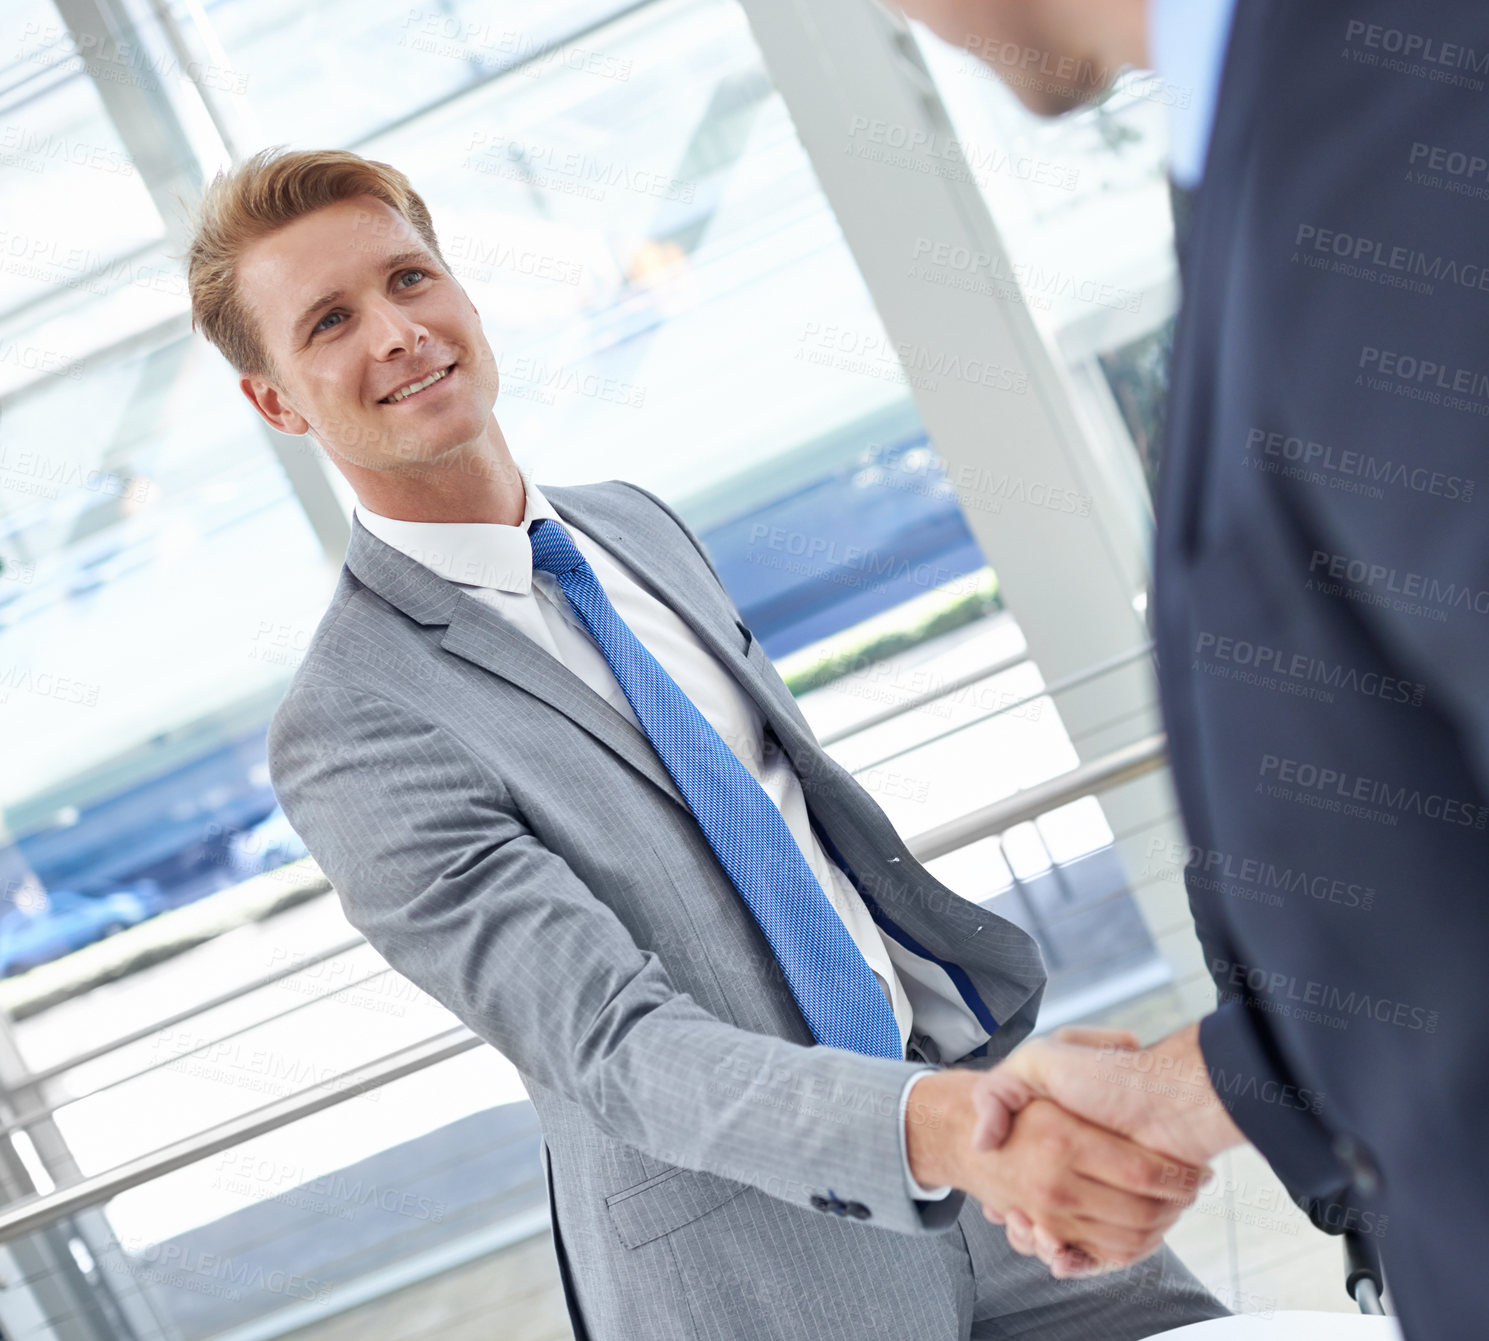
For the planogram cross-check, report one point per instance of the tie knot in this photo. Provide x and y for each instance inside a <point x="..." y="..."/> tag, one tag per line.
<point x="554" y="550"/>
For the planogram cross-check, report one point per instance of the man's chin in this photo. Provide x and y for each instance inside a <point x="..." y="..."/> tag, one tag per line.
<point x="1057" y="102"/>
<point x="1045" y="96"/>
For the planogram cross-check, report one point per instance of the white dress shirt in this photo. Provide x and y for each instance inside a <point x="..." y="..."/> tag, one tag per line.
<point x="494" y="563"/>
<point x="1187" y="40"/>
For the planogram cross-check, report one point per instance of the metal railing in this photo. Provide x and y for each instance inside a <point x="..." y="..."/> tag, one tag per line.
<point x="23" y="1120"/>
<point x="1072" y="681"/>
<point x="933" y="695"/>
<point x="1120" y="766"/>
<point x="38" y="1212"/>
<point x="191" y="1012"/>
<point x="36" y="1079"/>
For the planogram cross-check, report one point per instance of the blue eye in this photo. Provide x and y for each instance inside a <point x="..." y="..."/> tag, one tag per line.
<point x="321" y="324"/>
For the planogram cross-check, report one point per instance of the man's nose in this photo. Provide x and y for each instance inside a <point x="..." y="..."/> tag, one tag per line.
<point x="393" y="329"/>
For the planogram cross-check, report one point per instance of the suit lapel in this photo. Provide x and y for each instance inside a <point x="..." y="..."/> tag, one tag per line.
<point x="666" y="564"/>
<point x="482" y="636"/>
<point x="637" y="533"/>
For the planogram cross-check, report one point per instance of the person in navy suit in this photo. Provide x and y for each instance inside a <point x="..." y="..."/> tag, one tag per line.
<point x="1321" y="605"/>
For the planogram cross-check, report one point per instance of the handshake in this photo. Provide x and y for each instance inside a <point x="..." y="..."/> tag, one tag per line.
<point x="1085" y="1147"/>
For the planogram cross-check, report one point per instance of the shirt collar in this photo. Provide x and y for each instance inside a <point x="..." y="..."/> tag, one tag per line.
<point x="473" y="554"/>
<point x="1187" y="40"/>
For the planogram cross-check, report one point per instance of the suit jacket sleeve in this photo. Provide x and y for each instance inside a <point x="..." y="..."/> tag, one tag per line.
<point x="1276" y="1114"/>
<point x="435" y="866"/>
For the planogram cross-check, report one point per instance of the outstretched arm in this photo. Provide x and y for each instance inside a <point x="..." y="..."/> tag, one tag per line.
<point x="436" y="866"/>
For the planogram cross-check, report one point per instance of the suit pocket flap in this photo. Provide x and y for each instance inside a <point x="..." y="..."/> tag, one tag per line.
<point x="667" y="1202"/>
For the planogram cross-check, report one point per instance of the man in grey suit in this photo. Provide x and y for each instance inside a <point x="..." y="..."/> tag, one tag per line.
<point x="557" y="784"/>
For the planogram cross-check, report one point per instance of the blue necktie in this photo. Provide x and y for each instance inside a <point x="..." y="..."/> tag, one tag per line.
<point x="828" y="975"/>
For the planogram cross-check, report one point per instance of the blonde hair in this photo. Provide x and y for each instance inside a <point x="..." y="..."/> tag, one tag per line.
<point x="258" y="196"/>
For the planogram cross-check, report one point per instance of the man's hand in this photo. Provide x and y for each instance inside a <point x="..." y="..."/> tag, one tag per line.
<point x="1160" y="1097"/>
<point x="1099" y="1201"/>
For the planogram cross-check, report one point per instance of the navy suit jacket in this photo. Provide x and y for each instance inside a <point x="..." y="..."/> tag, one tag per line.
<point x="1322" y="615"/>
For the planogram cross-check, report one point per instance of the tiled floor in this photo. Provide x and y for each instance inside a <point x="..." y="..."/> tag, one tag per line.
<point x="1254" y="1248"/>
<point x="512" y="1296"/>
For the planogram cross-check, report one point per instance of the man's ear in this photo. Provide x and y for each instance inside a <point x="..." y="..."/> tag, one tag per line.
<point x="277" y="412"/>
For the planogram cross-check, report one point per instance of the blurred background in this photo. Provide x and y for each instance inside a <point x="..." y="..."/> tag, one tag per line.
<point x="895" y="348"/>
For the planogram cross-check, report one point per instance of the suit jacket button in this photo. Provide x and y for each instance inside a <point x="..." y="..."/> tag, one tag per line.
<point x="858" y="1210"/>
<point x="820" y="1203"/>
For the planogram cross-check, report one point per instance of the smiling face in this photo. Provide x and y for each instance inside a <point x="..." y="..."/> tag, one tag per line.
<point x="353" y="309"/>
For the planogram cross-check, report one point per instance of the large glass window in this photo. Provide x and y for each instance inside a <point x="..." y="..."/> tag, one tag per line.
<point x="72" y="198"/>
<point x="1084" y="205"/>
<point x="622" y="192"/>
<point x="653" y="261"/>
<point x="341" y="71"/>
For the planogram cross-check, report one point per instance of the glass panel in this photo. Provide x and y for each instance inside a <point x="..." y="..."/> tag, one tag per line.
<point x="72" y="200"/>
<point x="390" y="1189"/>
<point x="425" y="1195"/>
<point x="159" y="563"/>
<point x="1137" y="374"/>
<point x="334" y="73"/>
<point x="671" y="301"/>
<point x="1083" y="204"/>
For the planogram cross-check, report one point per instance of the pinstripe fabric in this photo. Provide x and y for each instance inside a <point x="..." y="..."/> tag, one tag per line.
<point x="842" y="1002"/>
<point x="513" y="846"/>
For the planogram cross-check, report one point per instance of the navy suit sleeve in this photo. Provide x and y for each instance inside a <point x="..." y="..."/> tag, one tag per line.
<point x="1254" y="1082"/>
<point x="1277" y="1115"/>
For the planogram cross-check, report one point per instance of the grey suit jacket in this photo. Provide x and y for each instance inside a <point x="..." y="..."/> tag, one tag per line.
<point x="515" y="847"/>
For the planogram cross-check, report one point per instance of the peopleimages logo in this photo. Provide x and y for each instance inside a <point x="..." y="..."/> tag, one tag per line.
<point x="1265" y="881"/>
<point x="1452" y="162"/>
<point x="932" y="259"/>
<point x="1286" y="665"/>
<point x="1417" y="46"/>
<point x="823" y="557"/>
<point x="1418" y="54"/>
<point x="875" y="355"/>
<point x="1354" y="471"/>
<point x="1424" y="372"/>
<point x="20" y="140"/>
<point x="1400" y="266"/>
<point x="896" y="145"/>
<point x="1284" y="989"/>
<point x="1331" y="783"/>
<point x="1393" y="582"/>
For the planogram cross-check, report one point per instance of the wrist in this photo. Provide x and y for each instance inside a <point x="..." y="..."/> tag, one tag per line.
<point x="938" y="1127"/>
<point x="1204" y="1126"/>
